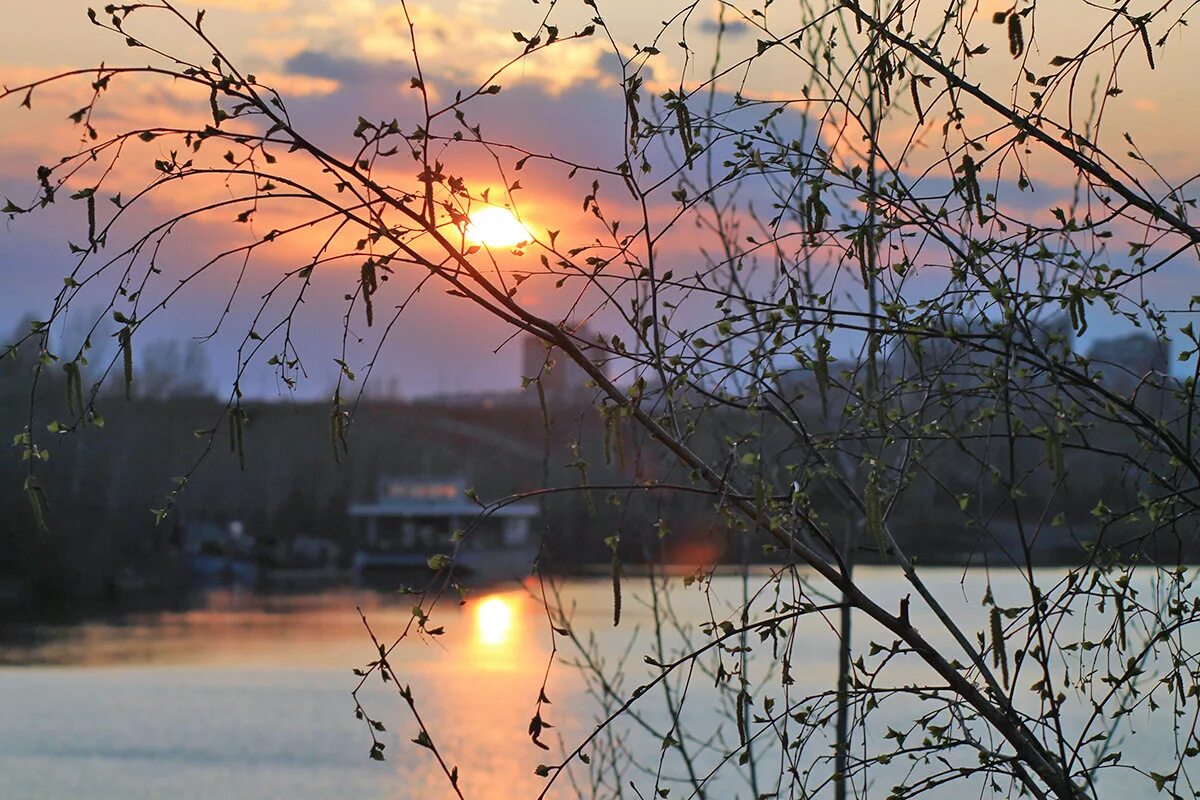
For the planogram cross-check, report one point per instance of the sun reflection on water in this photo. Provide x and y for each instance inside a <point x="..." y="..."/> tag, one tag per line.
<point x="494" y="620"/>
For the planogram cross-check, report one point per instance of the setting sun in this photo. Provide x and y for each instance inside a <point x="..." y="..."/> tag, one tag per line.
<point x="494" y="226"/>
<point x="494" y="620"/>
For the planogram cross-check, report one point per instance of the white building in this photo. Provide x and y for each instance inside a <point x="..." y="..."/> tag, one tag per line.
<point x="413" y="519"/>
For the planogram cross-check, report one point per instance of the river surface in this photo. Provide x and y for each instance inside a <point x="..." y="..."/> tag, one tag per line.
<point x="248" y="696"/>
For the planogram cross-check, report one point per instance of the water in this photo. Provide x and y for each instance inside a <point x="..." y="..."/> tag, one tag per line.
<point x="249" y="697"/>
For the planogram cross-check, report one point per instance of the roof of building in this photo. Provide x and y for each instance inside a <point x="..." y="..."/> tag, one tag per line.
<point x="432" y="497"/>
<point x="451" y="509"/>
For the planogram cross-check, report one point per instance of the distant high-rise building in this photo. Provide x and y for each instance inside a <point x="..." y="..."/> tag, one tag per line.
<point x="557" y="373"/>
<point x="1054" y="336"/>
<point x="1126" y="360"/>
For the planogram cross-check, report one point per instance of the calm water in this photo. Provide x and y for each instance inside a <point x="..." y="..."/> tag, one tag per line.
<point x="248" y="697"/>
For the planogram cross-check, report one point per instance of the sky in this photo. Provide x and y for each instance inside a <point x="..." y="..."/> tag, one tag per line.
<point x="334" y="62"/>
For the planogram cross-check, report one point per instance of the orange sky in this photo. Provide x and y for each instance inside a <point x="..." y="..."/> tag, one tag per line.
<point x="334" y="61"/>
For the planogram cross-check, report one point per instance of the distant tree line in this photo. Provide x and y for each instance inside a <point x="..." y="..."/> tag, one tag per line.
<point x="103" y="487"/>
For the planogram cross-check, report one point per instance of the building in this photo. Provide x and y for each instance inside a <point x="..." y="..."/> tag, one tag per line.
<point x="558" y="374"/>
<point x="414" y="519"/>
<point x="1126" y="360"/>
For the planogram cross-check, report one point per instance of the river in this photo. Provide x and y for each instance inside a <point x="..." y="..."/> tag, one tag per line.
<point x="248" y="696"/>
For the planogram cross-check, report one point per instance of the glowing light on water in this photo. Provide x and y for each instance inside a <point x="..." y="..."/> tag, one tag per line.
<point x="494" y="620"/>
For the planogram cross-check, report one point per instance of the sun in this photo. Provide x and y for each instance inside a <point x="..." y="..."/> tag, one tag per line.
<point x="495" y="226"/>
<point x="494" y="620"/>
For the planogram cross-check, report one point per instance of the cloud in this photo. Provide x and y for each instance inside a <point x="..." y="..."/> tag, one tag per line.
<point x="244" y="6"/>
<point x="367" y="36"/>
<point x="341" y="70"/>
<point x="725" y="23"/>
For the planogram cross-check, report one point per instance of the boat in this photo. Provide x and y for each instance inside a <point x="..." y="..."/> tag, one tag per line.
<point x="218" y="554"/>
